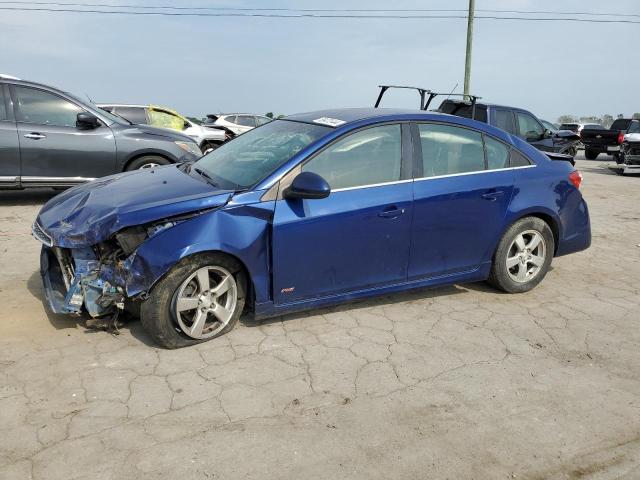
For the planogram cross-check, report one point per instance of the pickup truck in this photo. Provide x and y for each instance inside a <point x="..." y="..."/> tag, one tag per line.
<point x="597" y="141"/>
<point x="629" y="158"/>
<point x="518" y="122"/>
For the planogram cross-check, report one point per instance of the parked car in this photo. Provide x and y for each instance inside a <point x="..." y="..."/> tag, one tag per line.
<point x="578" y="127"/>
<point x="237" y="123"/>
<point x="518" y="122"/>
<point x="206" y="138"/>
<point x="50" y="138"/>
<point x="307" y="211"/>
<point x="629" y="158"/>
<point x="597" y="141"/>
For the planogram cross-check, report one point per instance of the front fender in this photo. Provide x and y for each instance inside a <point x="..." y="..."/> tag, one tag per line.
<point x="241" y="231"/>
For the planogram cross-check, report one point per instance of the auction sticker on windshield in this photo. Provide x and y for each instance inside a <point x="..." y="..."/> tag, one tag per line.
<point x="332" y="122"/>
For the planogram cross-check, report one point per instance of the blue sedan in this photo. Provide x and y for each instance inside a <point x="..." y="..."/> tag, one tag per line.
<point x="307" y="211"/>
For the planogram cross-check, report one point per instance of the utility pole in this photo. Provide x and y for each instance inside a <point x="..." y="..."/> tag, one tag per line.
<point x="467" y="60"/>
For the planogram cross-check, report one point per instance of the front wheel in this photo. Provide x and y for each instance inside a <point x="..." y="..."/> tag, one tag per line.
<point x="200" y="299"/>
<point x="523" y="256"/>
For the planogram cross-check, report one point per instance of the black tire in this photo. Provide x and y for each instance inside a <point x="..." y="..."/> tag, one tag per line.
<point x="591" y="154"/>
<point x="146" y="161"/>
<point x="500" y="276"/>
<point x="616" y="158"/>
<point x="156" y="312"/>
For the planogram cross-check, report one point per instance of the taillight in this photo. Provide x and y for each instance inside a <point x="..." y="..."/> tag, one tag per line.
<point x="620" y="138"/>
<point x="575" y="178"/>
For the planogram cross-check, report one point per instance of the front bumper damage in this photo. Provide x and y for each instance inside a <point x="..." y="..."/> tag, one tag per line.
<point x="77" y="278"/>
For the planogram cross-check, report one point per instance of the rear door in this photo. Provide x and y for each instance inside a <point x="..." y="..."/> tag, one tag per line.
<point x="52" y="149"/>
<point x="460" y="199"/>
<point x="356" y="238"/>
<point x="9" y="145"/>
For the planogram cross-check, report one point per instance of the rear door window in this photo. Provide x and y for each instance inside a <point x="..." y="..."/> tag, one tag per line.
<point x="504" y="120"/>
<point x="246" y="121"/>
<point x="516" y="159"/>
<point x="448" y="150"/>
<point x="135" y="115"/>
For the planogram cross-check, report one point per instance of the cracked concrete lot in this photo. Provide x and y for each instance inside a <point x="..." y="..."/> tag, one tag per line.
<point x="460" y="382"/>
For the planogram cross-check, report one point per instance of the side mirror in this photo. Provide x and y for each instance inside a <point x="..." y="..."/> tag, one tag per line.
<point x="185" y="125"/>
<point x="87" y="121"/>
<point x="307" y="185"/>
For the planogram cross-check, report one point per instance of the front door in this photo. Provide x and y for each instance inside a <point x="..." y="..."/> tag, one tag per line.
<point x="532" y="131"/>
<point x="460" y="201"/>
<point x="358" y="237"/>
<point x="52" y="148"/>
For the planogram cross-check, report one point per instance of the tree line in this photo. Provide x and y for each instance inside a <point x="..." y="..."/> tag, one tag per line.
<point x="605" y="120"/>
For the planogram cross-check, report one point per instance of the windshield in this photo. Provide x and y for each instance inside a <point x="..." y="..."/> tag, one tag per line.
<point x="252" y="156"/>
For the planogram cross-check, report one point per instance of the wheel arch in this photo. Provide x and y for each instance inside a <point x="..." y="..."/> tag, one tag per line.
<point x="138" y="155"/>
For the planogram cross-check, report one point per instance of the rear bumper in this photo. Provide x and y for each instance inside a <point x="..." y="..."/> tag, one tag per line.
<point x="577" y="231"/>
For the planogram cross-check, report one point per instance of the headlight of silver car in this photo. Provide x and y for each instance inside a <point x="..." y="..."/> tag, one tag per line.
<point x="190" y="147"/>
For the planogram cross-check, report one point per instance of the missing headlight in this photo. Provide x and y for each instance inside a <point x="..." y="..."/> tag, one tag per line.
<point x="131" y="238"/>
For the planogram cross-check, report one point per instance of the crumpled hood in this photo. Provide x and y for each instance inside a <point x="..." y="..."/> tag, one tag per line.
<point x="92" y="212"/>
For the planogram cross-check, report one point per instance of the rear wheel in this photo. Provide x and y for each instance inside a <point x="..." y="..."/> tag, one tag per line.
<point x="147" y="161"/>
<point x="523" y="256"/>
<point x="208" y="147"/>
<point x="591" y="154"/>
<point x="200" y="299"/>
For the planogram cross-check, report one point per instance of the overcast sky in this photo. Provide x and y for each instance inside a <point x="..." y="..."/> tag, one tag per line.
<point x="206" y="65"/>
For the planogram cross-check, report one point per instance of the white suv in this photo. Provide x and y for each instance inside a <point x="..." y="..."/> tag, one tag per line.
<point x="236" y="122"/>
<point x="208" y="139"/>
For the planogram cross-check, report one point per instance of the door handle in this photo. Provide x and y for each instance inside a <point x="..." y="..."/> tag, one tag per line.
<point x="492" y="196"/>
<point x="392" y="212"/>
<point x="35" y="136"/>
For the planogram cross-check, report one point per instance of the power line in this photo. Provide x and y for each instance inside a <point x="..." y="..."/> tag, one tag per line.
<point x="314" y="15"/>
<point x="306" y="10"/>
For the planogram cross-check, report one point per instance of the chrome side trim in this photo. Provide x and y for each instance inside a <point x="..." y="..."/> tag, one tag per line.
<point x="474" y="173"/>
<point x="53" y="181"/>
<point x="371" y="186"/>
<point x="8" y="179"/>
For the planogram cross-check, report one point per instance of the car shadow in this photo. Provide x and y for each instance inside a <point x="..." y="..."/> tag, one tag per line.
<point x="132" y="324"/>
<point x="372" y="302"/>
<point x="34" y="196"/>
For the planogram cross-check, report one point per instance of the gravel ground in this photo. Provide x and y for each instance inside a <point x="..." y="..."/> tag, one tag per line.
<point x="460" y="382"/>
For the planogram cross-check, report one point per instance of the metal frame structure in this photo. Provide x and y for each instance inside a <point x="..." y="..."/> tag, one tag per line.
<point x="424" y="105"/>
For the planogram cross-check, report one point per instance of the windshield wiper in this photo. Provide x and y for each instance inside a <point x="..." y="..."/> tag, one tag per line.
<point x="204" y="174"/>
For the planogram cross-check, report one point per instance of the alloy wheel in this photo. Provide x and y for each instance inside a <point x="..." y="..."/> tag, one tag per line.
<point x="205" y="302"/>
<point x="526" y="256"/>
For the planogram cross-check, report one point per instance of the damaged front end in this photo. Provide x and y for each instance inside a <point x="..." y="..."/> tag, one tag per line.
<point x="94" y="278"/>
<point x="82" y="277"/>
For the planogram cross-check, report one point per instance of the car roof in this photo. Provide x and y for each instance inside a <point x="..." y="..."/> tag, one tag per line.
<point x="106" y="104"/>
<point x="351" y="115"/>
<point x="485" y="104"/>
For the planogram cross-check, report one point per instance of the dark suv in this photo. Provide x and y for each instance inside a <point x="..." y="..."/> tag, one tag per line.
<point x="518" y="122"/>
<point x="50" y="138"/>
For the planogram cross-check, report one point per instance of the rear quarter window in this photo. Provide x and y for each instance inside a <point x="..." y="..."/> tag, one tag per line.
<point x="516" y="159"/>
